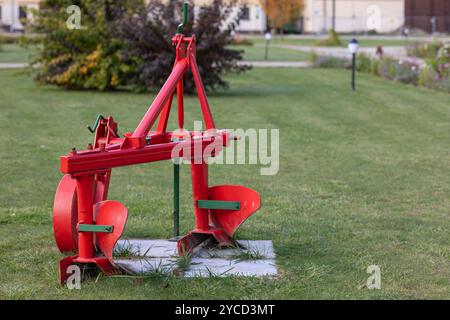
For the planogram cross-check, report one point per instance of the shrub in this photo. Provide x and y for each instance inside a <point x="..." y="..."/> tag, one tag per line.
<point x="436" y="74"/>
<point x="331" y="62"/>
<point x="79" y="59"/>
<point x="424" y="50"/>
<point x="146" y="35"/>
<point x="431" y="79"/>
<point x="403" y="71"/>
<point x="375" y="66"/>
<point x="238" y="41"/>
<point x="363" y="63"/>
<point x="441" y="62"/>
<point x="333" y="40"/>
<point x="128" y="43"/>
<point x="313" y="57"/>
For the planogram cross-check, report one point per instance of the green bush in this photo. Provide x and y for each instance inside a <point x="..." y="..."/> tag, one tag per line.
<point x="333" y="40"/>
<point x="19" y="38"/>
<point x="127" y="43"/>
<point x="430" y="78"/>
<point x="375" y="66"/>
<point x="424" y="50"/>
<point x="242" y="42"/>
<point x="436" y="74"/>
<point x="78" y="59"/>
<point x="313" y="57"/>
<point x="363" y="63"/>
<point x="331" y="62"/>
<point x="402" y="71"/>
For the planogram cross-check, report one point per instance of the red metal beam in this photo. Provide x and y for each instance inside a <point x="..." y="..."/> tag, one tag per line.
<point x="107" y="159"/>
<point x="158" y="104"/>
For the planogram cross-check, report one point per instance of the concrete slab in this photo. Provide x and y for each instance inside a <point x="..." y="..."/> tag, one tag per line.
<point x="261" y="248"/>
<point x="256" y="258"/>
<point x="148" y="248"/>
<point x="201" y="267"/>
<point x="142" y="266"/>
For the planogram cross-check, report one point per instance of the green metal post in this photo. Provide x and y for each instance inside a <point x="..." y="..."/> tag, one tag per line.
<point x="176" y="200"/>
<point x="185" y="17"/>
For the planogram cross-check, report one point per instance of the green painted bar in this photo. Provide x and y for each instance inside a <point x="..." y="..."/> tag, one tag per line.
<point x="95" y="228"/>
<point x="176" y="200"/>
<point x="219" y="205"/>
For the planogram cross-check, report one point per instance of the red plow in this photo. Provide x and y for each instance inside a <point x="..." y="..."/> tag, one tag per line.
<point x="88" y="225"/>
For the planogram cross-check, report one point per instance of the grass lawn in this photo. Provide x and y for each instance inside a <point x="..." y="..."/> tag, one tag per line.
<point x="12" y="53"/>
<point x="364" y="179"/>
<point x="257" y="53"/>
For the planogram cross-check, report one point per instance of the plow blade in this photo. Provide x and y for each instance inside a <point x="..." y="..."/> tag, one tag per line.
<point x="228" y="207"/>
<point x="112" y="215"/>
<point x="230" y="219"/>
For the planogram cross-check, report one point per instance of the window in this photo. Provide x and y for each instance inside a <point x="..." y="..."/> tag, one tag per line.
<point x="245" y="13"/>
<point x="22" y="12"/>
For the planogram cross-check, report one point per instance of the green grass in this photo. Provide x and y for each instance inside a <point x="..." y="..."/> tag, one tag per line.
<point x="13" y="53"/>
<point x="364" y="179"/>
<point x="257" y="53"/>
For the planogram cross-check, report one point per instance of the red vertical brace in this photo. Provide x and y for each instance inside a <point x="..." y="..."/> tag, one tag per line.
<point x="180" y="89"/>
<point x="102" y="186"/>
<point x="85" y="216"/>
<point x="164" y="117"/>
<point x="200" y="192"/>
<point x="160" y="101"/>
<point x="206" y="111"/>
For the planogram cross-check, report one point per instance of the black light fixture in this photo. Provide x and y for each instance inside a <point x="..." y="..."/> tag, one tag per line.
<point x="353" y="47"/>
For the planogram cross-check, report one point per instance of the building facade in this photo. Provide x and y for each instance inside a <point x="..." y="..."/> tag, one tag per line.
<point x="317" y="16"/>
<point x="13" y="11"/>
<point x="431" y="16"/>
<point x="347" y="16"/>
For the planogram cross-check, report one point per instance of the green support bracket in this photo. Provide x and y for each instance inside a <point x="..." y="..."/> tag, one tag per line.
<point x="219" y="205"/>
<point x="95" y="228"/>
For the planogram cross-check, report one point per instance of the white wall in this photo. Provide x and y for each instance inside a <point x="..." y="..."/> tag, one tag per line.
<point x="355" y="15"/>
<point x="257" y="21"/>
<point x="10" y="12"/>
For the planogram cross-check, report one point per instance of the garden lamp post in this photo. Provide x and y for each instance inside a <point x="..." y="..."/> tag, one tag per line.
<point x="268" y="37"/>
<point x="353" y="47"/>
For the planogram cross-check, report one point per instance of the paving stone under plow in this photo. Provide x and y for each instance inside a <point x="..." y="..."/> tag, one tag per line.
<point x="256" y="258"/>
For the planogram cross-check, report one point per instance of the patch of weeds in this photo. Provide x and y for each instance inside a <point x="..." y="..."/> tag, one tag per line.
<point x="184" y="262"/>
<point x="125" y="250"/>
<point x="212" y="274"/>
<point x="249" y="254"/>
<point x="159" y="270"/>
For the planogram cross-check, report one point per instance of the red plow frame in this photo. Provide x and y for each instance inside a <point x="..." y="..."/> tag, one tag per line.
<point x="85" y="222"/>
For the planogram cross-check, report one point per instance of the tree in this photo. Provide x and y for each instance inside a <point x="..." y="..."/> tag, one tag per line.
<point x="282" y="12"/>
